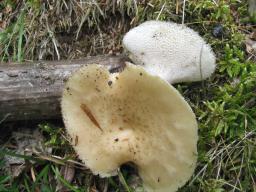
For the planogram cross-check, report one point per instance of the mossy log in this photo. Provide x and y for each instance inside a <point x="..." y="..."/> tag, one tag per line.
<point x="32" y="90"/>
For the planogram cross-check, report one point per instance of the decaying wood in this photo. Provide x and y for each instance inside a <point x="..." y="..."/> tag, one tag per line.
<point x="32" y="90"/>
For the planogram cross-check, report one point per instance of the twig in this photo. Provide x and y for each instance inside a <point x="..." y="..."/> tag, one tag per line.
<point x="162" y="8"/>
<point x="183" y="11"/>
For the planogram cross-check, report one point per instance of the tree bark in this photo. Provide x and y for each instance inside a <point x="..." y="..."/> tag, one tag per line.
<point x="31" y="91"/>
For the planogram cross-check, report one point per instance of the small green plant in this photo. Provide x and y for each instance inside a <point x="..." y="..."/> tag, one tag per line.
<point x="55" y="135"/>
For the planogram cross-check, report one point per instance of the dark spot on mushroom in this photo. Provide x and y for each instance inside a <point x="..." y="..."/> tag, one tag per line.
<point x="116" y="139"/>
<point x="158" y="179"/>
<point x="68" y="88"/>
<point x="110" y="83"/>
<point x="117" y="78"/>
<point x="142" y="53"/>
<point x="141" y="74"/>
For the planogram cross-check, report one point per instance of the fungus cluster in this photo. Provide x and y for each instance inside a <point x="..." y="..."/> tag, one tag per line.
<point x="135" y="115"/>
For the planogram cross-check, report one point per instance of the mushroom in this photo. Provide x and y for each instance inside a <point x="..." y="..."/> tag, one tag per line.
<point x="131" y="116"/>
<point x="174" y="52"/>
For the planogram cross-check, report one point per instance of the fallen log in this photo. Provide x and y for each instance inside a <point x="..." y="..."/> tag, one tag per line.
<point x="30" y="91"/>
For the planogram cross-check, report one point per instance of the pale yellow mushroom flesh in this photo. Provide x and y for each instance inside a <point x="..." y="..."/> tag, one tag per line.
<point x="131" y="116"/>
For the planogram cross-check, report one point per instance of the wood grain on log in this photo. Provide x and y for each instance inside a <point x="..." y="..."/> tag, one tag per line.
<point x="33" y="90"/>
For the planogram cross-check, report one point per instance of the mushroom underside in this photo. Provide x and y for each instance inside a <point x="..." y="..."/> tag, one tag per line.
<point x="131" y="116"/>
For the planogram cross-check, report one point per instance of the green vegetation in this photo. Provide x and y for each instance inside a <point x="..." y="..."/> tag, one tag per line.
<point x="225" y="104"/>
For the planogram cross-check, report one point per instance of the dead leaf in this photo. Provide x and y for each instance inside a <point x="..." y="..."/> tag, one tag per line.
<point x="25" y="141"/>
<point x="67" y="171"/>
<point x="93" y="189"/>
<point x="250" y="43"/>
<point x="135" y="182"/>
<point x="16" y="169"/>
<point x="2" y="25"/>
<point x="253" y="35"/>
<point x="8" y="9"/>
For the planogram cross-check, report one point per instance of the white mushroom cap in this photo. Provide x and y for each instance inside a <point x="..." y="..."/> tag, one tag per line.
<point x="174" y="52"/>
<point x="131" y="116"/>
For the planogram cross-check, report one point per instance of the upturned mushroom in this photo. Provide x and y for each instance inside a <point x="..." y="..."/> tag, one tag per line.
<point x="174" y="52"/>
<point x="131" y="116"/>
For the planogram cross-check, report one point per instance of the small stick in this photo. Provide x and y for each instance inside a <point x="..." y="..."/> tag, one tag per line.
<point x="90" y="115"/>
